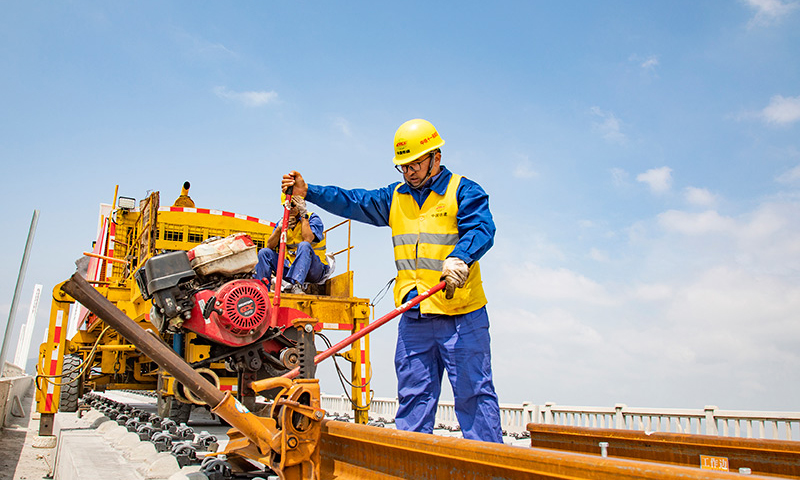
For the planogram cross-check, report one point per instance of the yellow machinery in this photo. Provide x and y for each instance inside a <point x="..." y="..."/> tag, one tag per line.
<point x="229" y="350"/>
<point x="131" y="340"/>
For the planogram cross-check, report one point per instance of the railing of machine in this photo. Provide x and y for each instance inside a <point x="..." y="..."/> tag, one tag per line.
<point x="515" y="418"/>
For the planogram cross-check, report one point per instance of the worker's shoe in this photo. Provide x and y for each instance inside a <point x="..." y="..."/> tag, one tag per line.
<point x="294" y="288"/>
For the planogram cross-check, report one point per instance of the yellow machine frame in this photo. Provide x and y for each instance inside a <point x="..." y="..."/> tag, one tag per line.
<point x="130" y="236"/>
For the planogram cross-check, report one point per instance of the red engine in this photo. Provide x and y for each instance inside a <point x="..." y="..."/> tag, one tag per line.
<point x="236" y="314"/>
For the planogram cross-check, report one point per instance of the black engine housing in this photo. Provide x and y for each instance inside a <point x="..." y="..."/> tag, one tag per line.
<point x="165" y="279"/>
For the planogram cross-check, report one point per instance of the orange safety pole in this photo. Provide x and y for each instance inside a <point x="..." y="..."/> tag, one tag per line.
<point x="352" y="338"/>
<point x="349" y="232"/>
<point x="276" y="295"/>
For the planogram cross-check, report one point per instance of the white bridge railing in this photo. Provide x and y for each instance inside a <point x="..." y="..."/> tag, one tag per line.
<point x="515" y="418"/>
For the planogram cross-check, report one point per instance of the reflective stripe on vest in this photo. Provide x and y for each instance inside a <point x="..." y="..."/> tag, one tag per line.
<point x="422" y="238"/>
<point x="293" y="238"/>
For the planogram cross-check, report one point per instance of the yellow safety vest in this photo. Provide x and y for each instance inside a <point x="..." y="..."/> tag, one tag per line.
<point x="423" y="237"/>
<point x="293" y="238"/>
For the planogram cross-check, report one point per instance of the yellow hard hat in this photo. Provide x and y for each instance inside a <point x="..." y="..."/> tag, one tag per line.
<point x="283" y="199"/>
<point x="414" y="139"/>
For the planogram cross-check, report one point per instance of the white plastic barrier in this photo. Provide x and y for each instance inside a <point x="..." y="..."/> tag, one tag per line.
<point x="514" y="418"/>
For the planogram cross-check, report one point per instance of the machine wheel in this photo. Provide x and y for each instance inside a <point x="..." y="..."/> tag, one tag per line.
<point x="71" y="384"/>
<point x="170" y="407"/>
<point x="180" y="412"/>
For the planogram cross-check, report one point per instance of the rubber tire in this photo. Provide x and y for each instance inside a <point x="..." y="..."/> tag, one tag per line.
<point x="170" y="407"/>
<point x="180" y="412"/>
<point x="71" y="384"/>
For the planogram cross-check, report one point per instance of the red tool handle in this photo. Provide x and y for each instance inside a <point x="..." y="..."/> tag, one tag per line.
<point x="276" y="295"/>
<point x="352" y="338"/>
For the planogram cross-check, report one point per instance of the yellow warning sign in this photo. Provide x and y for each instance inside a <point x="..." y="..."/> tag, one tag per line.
<point x="713" y="463"/>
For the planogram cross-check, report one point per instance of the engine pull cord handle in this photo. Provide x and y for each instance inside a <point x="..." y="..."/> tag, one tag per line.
<point x="276" y="295"/>
<point x="211" y="307"/>
<point x="352" y="338"/>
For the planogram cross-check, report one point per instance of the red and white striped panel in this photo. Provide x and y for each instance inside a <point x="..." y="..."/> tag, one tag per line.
<point x="209" y="211"/>
<point x="364" y="396"/>
<point x="112" y="233"/>
<point x="55" y="339"/>
<point x="93" y="273"/>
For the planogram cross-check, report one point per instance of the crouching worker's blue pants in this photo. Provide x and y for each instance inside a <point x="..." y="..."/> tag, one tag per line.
<point x="307" y="267"/>
<point x="429" y="344"/>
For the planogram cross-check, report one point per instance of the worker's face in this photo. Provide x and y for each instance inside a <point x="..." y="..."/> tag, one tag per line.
<point x="294" y="209"/>
<point x="414" y="173"/>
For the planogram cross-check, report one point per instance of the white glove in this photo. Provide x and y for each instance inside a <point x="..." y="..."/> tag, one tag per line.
<point x="300" y="204"/>
<point x="454" y="273"/>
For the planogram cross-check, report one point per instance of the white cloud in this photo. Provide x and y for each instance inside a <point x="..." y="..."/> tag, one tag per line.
<point x="764" y="223"/>
<point x="782" y="110"/>
<point x="524" y="170"/>
<point x="200" y="47"/>
<point x="619" y="177"/>
<point x="702" y="312"/>
<point x="695" y="223"/>
<point x="769" y="12"/>
<point x="557" y="324"/>
<point x="700" y="197"/>
<point x="598" y="255"/>
<point x="650" y="63"/>
<point x="791" y="176"/>
<point x="343" y="126"/>
<point x="658" y="179"/>
<point x="544" y="283"/>
<point x="647" y="64"/>
<point x="652" y="292"/>
<point x="609" y="127"/>
<point x="248" y="99"/>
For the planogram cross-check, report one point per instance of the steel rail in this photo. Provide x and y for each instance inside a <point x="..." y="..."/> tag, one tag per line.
<point x="761" y="456"/>
<point x="353" y="451"/>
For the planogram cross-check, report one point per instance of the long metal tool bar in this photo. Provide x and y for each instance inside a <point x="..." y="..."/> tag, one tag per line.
<point x="166" y="358"/>
<point x="224" y="405"/>
<point x="761" y="456"/>
<point x="369" y="328"/>
<point x="276" y="441"/>
<point x="276" y="296"/>
<point x="353" y="451"/>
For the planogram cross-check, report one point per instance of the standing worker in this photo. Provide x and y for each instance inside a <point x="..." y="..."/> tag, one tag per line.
<point x="441" y="226"/>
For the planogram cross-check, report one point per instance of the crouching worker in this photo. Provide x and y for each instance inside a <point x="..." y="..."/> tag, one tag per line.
<point x="305" y="250"/>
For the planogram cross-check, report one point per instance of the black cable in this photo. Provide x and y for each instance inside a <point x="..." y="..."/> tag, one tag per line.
<point x="343" y="378"/>
<point x="382" y="293"/>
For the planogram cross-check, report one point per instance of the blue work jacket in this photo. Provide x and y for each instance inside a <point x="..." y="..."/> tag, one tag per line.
<point x="475" y="225"/>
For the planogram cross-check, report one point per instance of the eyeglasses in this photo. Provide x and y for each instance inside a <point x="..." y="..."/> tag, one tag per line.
<point x="411" y="167"/>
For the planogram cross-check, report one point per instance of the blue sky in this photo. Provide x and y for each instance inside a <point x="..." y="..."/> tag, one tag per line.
<point x="642" y="160"/>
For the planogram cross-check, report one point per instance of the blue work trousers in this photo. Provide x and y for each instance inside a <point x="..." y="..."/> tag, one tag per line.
<point x="306" y="268"/>
<point x="460" y="344"/>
